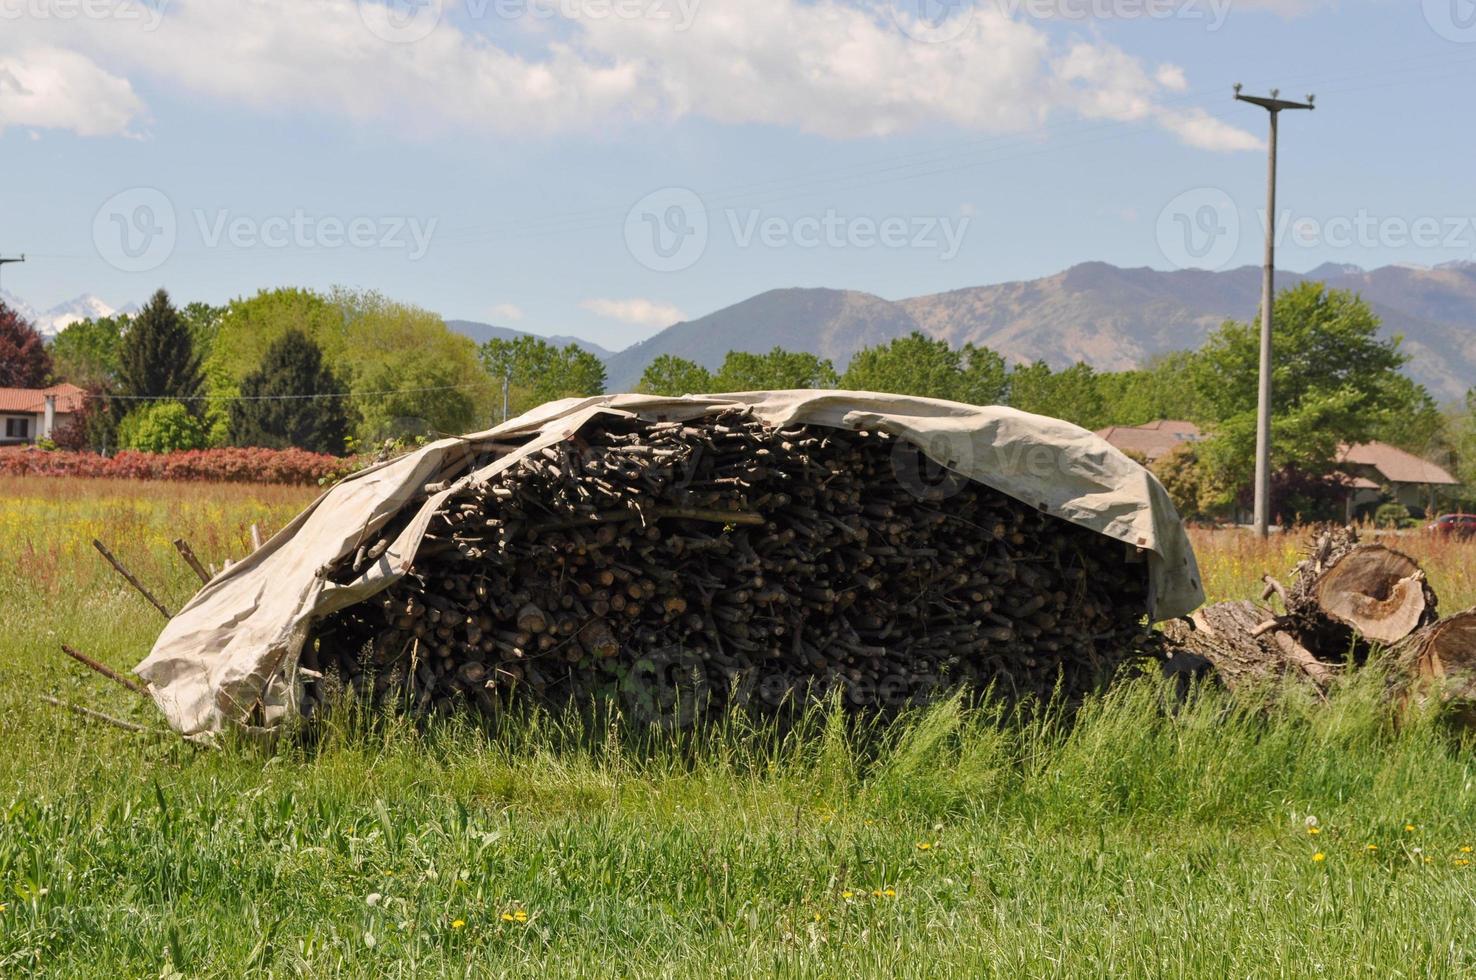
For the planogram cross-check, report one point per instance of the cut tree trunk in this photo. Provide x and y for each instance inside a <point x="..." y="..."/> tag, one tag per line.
<point x="1347" y="596"/>
<point x="1225" y="640"/>
<point x="1440" y="661"/>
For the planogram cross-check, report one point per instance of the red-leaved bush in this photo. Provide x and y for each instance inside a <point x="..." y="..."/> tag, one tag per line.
<point x="289" y="466"/>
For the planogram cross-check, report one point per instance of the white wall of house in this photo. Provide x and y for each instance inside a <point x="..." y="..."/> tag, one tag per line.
<point x="17" y="427"/>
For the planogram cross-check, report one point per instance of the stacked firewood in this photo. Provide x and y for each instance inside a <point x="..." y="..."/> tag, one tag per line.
<point x="1347" y="600"/>
<point x="682" y="566"/>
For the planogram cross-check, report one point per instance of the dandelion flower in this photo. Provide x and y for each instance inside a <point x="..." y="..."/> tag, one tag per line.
<point x="1314" y="831"/>
<point x="1319" y="857"/>
<point x="1370" y="847"/>
<point x="817" y="916"/>
<point x="1462" y="862"/>
<point x="3" y="906"/>
<point x="924" y="846"/>
<point x="848" y="895"/>
<point x="459" y="924"/>
<point x="876" y="893"/>
<point x="890" y="893"/>
<point x="1409" y="828"/>
<point x="1466" y="849"/>
<point x="369" y="939"/>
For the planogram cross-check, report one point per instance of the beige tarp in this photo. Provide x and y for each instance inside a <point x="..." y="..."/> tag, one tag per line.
<point x="233" y="649"/>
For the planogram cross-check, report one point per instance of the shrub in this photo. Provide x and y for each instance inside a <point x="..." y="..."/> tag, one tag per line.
<point x="163" y="427"/>
<point x="1392" y="514"/>
<point x="285" y="466"/>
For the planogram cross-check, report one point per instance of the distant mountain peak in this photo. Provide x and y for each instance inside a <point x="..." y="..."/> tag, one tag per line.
<point x="62" y="315"/>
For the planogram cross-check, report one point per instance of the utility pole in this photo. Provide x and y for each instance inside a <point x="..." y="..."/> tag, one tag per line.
<point x="5" y="261"/>
<point x="506" y="395"/>
<point x="1273" y="107"/>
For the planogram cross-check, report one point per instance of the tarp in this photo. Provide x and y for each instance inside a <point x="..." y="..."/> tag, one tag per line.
<point x="229" y="657"/>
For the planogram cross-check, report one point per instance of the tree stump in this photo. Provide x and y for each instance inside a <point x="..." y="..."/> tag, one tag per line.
<point x="1440" y="661"/>
<point x="1347" y="596"/>
<point x="1225" y="639"/>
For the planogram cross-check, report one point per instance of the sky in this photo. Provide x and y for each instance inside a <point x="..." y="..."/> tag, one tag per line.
<point x="604" y="168"/>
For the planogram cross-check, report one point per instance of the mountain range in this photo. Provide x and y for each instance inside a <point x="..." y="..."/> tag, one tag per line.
<point x="59" y="317"/>
<point x="1111" y="317"/>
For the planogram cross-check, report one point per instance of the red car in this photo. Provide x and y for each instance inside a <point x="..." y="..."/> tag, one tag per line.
<point x="1459" y="525"/>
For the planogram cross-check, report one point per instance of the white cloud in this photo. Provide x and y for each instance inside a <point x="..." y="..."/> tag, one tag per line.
<point x="506" y="311"/>
<point x="839" y="68"/>
<point x="52" y="88"/>
<point x="643" y="312"/>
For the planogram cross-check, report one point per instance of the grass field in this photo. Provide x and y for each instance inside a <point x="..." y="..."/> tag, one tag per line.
<point x="1209" y="841"/>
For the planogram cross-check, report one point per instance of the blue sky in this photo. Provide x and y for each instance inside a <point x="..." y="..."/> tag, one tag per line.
<point x="604" y="167"/>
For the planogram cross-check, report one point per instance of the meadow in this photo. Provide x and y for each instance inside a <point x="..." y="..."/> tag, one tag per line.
<point x="1144" y="837"/>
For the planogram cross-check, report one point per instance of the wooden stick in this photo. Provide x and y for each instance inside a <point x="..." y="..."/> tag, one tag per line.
<point x="255" y="538"/>
<point x="103" y="550"/>
<point x="105" y="671"/>
<point x="77" y="709"/>
<point x="1273" y="587"/>
<point x="188" y="554"/>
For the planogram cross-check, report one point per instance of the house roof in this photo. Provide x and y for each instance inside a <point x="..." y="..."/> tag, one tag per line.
<point x="1395" y="465"/>
<point x="1152" y="440"/>
<point x="32" y="401"/>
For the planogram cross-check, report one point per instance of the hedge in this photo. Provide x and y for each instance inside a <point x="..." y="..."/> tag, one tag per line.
<point x="232" y="465"/>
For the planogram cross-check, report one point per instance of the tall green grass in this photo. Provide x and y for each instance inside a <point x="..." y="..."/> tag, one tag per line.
<point x="1141" y="836"/>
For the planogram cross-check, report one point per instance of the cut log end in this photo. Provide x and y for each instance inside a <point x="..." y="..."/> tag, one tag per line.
<point x="1378" y="592"/>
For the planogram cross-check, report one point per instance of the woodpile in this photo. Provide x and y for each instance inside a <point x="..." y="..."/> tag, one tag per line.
<point x="682" y="566"/>
<point x="1347" y="599"/>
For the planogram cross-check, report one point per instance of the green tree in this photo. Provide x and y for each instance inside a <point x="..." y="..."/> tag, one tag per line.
<point x="986" y="377"/>
<point x="910" y="365"/>
<point x="292" y="399"/>
<point x="538" y="372"/>
<point x="161" y="427"/>
<point x="676" y="376"/>
<point x="24" y="362"/>
<point x="1156" y="390"/>
<point x="86" y="352"/>
<point x="1072" y="394"/>
<point x="778" y="369"/>
<point x="157" y="360"/>
<point x="1334" y="381"/>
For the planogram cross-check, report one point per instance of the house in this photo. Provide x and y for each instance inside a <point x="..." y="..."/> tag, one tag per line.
<point x="1372" y="469"/>
<point x="1377" y="466"/>
<point x="28" y="414"/>
<point x="1152" y="440"/>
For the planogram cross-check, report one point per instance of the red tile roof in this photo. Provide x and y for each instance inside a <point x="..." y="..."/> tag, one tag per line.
<point x="1395" y="465"/>
<point x="1152" y="440"/>
<point x="32" y="401"/>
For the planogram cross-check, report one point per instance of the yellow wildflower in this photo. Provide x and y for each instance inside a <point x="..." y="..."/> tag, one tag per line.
<point x="507" y="917"/>
<point x="1370" y="847"/>
<point x="848" y="895"/>
<point x="876" y="893"/>
<point x="1314" y="831"/>
<point x="1462" y="862"/>
<point x="924" y="846"/>
<point x="520" y="915"/>
<point x="890" y="893"/>
<point x="1466" y="849"/>
<point x="458" y="924"/>
<point x="1319" y="857"/>
<point x="1409" y="828"/>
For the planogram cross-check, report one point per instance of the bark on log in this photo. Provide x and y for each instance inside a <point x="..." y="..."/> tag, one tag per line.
<point x="1222" y="640"/>
<point x="1440" y="661"/>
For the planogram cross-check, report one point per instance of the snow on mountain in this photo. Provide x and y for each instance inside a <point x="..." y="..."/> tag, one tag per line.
<point x="62" y="315"/>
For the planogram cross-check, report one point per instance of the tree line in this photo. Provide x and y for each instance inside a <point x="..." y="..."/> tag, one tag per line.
<point x="343" y="370"/>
